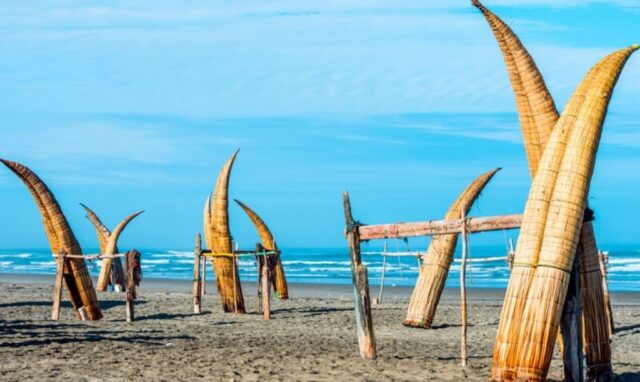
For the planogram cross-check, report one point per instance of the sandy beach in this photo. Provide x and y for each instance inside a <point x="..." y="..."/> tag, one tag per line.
<point x="311" y="337"/>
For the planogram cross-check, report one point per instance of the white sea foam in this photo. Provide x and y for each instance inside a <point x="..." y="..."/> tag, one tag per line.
<point x="633" y="267"/>
<point x="624" y="261"/>
<point x="5" y="263"/>
<point x="314" y="262"/>
<point x="15" y="256"/>
<point x="162" y="261"/>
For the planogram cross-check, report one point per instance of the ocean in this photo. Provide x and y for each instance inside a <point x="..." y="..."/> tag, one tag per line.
<point x="331" y="266"/>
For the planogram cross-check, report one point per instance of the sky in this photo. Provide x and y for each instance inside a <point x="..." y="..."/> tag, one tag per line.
<point x="136" y="105"/>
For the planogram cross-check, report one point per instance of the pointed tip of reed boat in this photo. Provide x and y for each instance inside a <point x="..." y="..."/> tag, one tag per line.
<point x="634" y="47"/>
<point x="476" y="3"/>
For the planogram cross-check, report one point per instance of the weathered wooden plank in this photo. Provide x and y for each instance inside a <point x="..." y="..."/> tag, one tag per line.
<point x="57" y="290"/>
<point x="438" y="227"/>
<point x="197" y="280"/>
<point x="362" y="301"/>
<point x="463" y="292"/>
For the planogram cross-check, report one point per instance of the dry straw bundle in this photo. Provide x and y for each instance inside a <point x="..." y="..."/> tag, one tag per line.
<point x="103" y="234"/>
<point x="61" y="239"/>
<point x="111" y="249"/>
<point x="269" y="244"/>
<point x="536" y="109"/>
<point x="551" y="227"/>
<point x="538" y="116"/>
<point x="434" y="271"/>
<point x="218" y="238"/>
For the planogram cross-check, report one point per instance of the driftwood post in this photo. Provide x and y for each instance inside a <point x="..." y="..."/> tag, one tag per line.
<point x="266" y="307"/>
<point x="364" y="323"/>
<point x="197" y="280"/>
<point x="204" y="276"/>
<point x="57" y="290"/>
<point x="130" y="260"/>
<point x="463" y="290"/>
<point x="605" y="290"/>
<point x="571" y="328"/>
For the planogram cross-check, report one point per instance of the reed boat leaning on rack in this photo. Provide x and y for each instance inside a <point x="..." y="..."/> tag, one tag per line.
<point x="61" y="238"/>
<point x="103" y="233"/>
<point x="218" y="239"/>
<point x="538" y="115"/>
<point x="269" y="244"/>
<point x="551" y="228"/>
<point x="435" y="268"/>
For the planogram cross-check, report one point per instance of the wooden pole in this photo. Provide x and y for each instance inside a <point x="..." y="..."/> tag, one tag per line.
<point x="511" y="255"/>
<point x="197" y="280"/>
<point x="204" y="276"/>
<point x="266" y="308"/>
<point x="364" y="323"/>
<point x="131" y="286"/>
<point x="463" y="291"/>
<point x="235" y="288"/>
<point x="439" y="227"/>
<point x="57" y="290"/>
<point x="82" y="313"/>
<point x="605" y="290"/>
<point x="571" y="328"/>
<point x="384" y="269"/>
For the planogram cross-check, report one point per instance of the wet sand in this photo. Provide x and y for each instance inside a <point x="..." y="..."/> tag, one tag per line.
<point x="310" y="337"/>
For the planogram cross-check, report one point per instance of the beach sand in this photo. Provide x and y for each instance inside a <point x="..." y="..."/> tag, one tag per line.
<point x="310" y="337"/>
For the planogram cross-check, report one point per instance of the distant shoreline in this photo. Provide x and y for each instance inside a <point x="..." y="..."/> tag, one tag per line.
<point x="320" y="291"/>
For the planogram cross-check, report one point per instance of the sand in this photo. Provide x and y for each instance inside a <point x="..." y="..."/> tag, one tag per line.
<point x="311" y="337"/>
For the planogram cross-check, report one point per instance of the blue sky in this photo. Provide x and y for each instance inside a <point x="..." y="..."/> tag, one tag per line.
<point x="126" y="106"/>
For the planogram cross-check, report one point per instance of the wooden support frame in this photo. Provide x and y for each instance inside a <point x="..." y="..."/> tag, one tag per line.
<point x="438" y="227"/>
<point x="463" y="290"/>
<point x="200" y="271"/>
<point x="197" y="279"/>
<point x="61" y="259"/>
<point x="130" y="260"/>
<point x="364" y="323"/>
<point x="356" y="233"/>
<point x="57" y="289"/>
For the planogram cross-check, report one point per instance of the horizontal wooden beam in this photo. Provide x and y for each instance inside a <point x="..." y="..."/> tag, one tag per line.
<point x="439" y="227"/>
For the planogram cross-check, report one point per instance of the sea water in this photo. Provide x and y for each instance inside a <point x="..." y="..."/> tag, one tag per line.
<point x="331" y="266"/>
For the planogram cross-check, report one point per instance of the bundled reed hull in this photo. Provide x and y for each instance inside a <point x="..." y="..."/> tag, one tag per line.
<point x="269" y="243"/>
<point x="103" y="234"/>
<point x="536" y="109"/>
<point x="434" y="271"/>
<point x="61" y="238"/>
<point x="538" y="116"/>
<point x="529" y="323"/>
<point x="111" y="249"/>
<point x="219" y="241"/>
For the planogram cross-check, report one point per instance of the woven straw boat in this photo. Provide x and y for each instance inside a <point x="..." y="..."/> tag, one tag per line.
<point x="103" y="234"/>
<point x="536" y="109"/>
<point x="538" y="115"/>
<point x="61" y="238"/>
<point x="269" y="243"/>
<point x="111" y="249"/>
<point x="434" y="271"/>
<point x="218" y="240"/>
<point x="551" y="228"/>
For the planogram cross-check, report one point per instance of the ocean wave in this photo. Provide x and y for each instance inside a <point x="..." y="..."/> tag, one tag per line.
<point x="16" y="256"/>
<point x="162" y="261"/>
<point x="5" y="263"/>
<point x="633" y="260"/>
<point x="633" y="267"/>
<point x="315" y="262"/>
